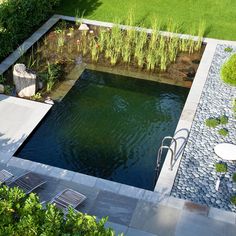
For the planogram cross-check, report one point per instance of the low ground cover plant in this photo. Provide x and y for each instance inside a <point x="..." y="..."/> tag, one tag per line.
<point x="228" y="71"/>
<point x="223" y="132"/>
<point x="228" y="49"/>
<point x="234" y="177"/>
<point x="22" y="214"/>
<point x="221" y="167"/>
<point x="233" y="200"/>
<point x="212" y="122"/>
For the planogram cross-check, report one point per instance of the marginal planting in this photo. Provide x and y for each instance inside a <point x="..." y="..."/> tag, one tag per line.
<point x="153" y="52"/>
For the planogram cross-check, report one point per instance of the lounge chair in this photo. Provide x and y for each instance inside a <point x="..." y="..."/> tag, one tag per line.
<point x="28" y="182"/>
<point x="66" y="198"/>
<point x="5" y="176"/>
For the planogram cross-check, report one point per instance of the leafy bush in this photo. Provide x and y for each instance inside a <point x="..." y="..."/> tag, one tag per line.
<point x="212" y="122"/>
<point x="234" y="177"/>
<point x="228" y="71"/>
<point x="24" y="215"/>
<point x="234" y="106"/>
<point x="224" y="120"/>
<point x="223" y="132"/>
<point x="233" y="200"/>
<point x="228" y="49"/>
<point x="221" y="167"/>
<point x="18" y="18"/>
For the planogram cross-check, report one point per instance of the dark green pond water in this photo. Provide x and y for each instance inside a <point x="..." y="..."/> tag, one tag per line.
<point x="108" y="126"/>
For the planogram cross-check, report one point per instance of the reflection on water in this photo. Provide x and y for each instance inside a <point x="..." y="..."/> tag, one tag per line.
<point x="108" y="126"/>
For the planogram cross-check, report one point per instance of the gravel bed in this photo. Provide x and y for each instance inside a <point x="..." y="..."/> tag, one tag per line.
<point x="196" y="177"/>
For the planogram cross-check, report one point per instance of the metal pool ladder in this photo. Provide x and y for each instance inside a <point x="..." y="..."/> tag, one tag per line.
<point x="173" y="152"/>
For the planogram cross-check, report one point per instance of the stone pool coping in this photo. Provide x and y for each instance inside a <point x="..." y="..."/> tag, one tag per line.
<point x="166" y="179"/>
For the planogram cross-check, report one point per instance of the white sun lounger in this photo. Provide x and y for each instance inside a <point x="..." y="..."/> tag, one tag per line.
<point x="5" y="176"/>
<point x="66" y="198"/>
<point x="28" y="182"/>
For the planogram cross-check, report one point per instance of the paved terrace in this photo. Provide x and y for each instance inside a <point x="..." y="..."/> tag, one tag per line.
<point x="131" y="211"/>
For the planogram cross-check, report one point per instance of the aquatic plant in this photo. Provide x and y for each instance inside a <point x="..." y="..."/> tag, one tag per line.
<point x="2" y="79"/>
<point x="94" y="46"/>
<point x="200" y="34"/>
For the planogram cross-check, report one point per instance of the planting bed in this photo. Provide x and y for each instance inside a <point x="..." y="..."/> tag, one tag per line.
<point x="152" y="56"/>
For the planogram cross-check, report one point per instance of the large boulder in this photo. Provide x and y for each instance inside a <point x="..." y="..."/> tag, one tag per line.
<point x="2" y="88"/>
<point x="24" y="80"/>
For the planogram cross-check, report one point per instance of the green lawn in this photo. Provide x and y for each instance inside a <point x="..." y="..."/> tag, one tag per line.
<point x="220" y="15"/>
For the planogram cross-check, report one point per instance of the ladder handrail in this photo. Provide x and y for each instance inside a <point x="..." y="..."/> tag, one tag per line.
<point x="172" y="140"/>
<point x="173" y="152"/>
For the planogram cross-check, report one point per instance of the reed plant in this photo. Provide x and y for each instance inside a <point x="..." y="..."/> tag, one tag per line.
<point x="140" y="47"/>
<point x="84" y="43"/>
<point x="117" y="38"/>
<point x="173" y="46"/>
<point x="151" y="59"/>
<point x="94" y="50"/>
<point x="114" y="58"/>
<point x="102" y="39"/>
<point x="200" y="34"/>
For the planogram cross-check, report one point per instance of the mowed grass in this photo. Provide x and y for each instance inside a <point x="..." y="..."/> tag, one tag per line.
<point x="219" y="15"/>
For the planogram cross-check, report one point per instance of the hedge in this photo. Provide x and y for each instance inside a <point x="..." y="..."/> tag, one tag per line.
<point x="18" y="18"/>
<point x="22" y="215"/>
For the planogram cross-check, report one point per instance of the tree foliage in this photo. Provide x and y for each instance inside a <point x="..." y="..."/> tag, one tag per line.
<point x="18" y="18"/>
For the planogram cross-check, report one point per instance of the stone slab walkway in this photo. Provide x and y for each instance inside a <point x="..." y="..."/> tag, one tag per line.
<point x="137" y="215"/>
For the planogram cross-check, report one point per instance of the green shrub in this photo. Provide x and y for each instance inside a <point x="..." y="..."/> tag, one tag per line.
<point x="24" y="215"/>
<point x="221" y="167"/>
<point x="212" y="122"/>
<point x="223" y="132"/>
<point x="224" y="120"/>
<point x="228" y="71"/>
<point x="234" y="106"/>
<point x="228" y="49"/>
<point x="18" y="18"/>
<point x="234" y="177"/>
<point x="233" y="200"/>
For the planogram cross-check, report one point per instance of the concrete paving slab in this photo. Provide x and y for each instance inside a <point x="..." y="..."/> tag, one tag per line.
<point x="195" y="225"/>
<point x="108" y="185"/>
<point x="118" y="208"/>
<point x="18" y="119"/>
<point x="136" y="232"/>
<point x="119" y="229"/>
<point x="155" y="219"/>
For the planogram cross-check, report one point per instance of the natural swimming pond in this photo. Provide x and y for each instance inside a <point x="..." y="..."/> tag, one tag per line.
<point x="108" y="126"/>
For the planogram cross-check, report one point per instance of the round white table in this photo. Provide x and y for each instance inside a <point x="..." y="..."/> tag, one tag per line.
<point x="226" y="151"/>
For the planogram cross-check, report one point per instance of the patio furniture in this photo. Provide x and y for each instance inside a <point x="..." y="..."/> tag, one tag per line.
<point x="226" y="151"/>
<point x="5" y="176"/>
<point x="28" y="182"/>
<point x="68" y="197"/>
